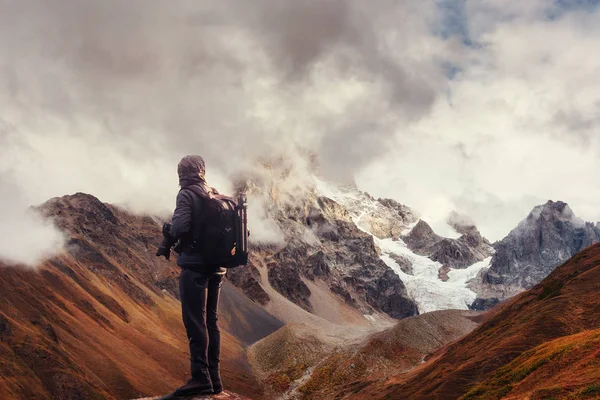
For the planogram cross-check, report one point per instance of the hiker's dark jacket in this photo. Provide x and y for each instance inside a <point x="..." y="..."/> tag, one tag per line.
<point x="185" y="224"/>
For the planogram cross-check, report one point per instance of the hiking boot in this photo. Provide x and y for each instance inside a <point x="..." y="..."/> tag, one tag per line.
<point x="215" y="378"/>
<point x="192" y="388"/>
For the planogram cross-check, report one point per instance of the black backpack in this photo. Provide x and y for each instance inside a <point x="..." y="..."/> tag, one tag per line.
<point x="222" y="234"/>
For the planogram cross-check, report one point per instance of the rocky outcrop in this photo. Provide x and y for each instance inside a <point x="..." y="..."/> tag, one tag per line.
<point x="388" y="219"/>
<point x="225" y="395"/>
<point x="384" y="218"/>
<point x="404" y="263"/>
<point x="323" y="243"/>
<point x="406" y="214"/>
<point x="484" y="304"/>
<point x="249" y="280"/>
<point x="346" y="260"/>
<point x="467" y="250"/>
<point x="284" y="276"/>
<point x="422" y="239"/>
<point x="549" y="236"/>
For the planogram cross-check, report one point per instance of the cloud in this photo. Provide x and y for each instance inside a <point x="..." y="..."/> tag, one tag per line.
<point x="518" y="126"/>
<point x="27" y="239"/>
<point x="230" y="83"/>
<point x="105" y="97"/>
<point x="486" y="108"/>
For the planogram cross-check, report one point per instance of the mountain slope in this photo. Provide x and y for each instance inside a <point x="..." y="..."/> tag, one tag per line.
<point x="565" y="366"/>
<point x="103" y="321"/>
<point x="303" y="362"/>
<point x="467" y="250"/>
<point x="322" y="246"/>
<point x="565" y="303"/>
<point x="431" y="285"/>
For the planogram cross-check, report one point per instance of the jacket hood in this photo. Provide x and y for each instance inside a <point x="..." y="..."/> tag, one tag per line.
<point x="191" y="170"/>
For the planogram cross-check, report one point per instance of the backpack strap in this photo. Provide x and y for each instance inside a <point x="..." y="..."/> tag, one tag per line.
<point x="197" y="215"/>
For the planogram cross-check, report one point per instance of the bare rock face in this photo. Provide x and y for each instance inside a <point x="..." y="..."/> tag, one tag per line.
<point x="484" y="304"/>
<point x="468" y="249"/>
<point x="284" y="276"/>
<point x="389" y="219"/>
<point x="550" y="235"/>
<point x="352" y="268"/>
<point x="384" y="218"/>
<point x="323" y="243"/>
<point x="422" y="239"/>
<point x="461" y="252"/>
<point x="406" y="214"/>
<point x="404" y="263"/>
<point x="346" y="260"/>
<point x="248" y="279"/>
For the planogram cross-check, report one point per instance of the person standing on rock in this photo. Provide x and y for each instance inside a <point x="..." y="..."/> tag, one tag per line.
<point x="199" y="283"/>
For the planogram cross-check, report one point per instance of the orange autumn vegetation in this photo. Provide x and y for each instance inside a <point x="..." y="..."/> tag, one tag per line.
<point x="102" y="320"/>
<point x="541" y="344"/>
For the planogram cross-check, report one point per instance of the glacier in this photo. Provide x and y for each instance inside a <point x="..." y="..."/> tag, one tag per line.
<point x="424" y="286"/>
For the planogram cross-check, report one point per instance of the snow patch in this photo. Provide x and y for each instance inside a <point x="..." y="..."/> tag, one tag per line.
<point x="369" y="318"/>
<point x="409" y="228"/>
<point x="424" y="286"/>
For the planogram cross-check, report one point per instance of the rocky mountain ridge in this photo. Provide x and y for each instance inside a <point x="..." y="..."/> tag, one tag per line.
<point x="324" y="245"/>
<point x="103" y="320"/>
<point x="550" y="235"/>
<point x="468" y="249"/>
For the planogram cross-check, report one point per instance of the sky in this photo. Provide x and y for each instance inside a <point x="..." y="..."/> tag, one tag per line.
<point x="487" y="108"/>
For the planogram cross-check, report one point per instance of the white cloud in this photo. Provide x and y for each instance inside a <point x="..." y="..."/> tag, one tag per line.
<point x="520" y="125"/>
<point x="105" y="97"/>
<point x="27" y="239"/>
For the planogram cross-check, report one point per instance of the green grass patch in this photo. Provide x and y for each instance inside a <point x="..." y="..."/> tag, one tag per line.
<point x="592" y="389"/>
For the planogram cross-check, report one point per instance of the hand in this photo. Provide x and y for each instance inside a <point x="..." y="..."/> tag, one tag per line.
<point x="164" y="251"/>
<point x="178" y="247"/>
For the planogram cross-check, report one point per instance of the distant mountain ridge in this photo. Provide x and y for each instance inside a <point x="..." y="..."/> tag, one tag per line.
<point x="550" y="235"/>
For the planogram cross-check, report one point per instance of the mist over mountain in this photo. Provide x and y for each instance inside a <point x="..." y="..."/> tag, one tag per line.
<point x="398" y="159"/>
<point x="105" y="98"/>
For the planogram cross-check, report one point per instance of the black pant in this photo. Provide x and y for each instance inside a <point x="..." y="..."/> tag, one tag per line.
<point x="199" y="303"/>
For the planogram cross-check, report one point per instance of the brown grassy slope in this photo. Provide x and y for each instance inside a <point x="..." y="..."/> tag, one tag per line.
<point x="103" y="321"/>
<point x="303" y="359"/>
<point x="285" y="355"/>
<point x="387" y="353"/>
<point x="567" y="367"/>
<point x="566" y="303"/>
